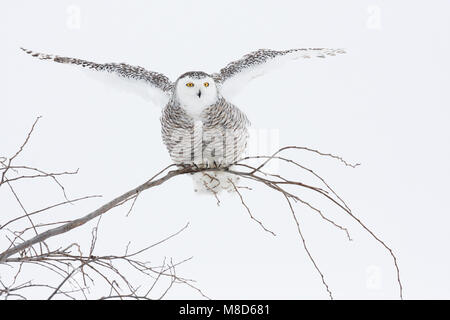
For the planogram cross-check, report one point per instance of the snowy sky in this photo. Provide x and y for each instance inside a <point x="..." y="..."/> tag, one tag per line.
<point x="384" y="104"/>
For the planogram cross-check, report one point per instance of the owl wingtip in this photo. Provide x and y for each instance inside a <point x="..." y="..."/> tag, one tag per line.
<point x="26" y="50"/>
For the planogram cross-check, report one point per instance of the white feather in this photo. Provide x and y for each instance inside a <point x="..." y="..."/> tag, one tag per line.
<point x="233" y="85"/>
<point x="141" y="89"/>
<point x="214" y="182"/>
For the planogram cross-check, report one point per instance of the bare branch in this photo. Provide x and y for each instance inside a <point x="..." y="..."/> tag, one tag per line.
<point x="107" y="269"/>
<point x="19" y="151"/>
<point x="306" y="248"/>
<point x="248" y="209"/>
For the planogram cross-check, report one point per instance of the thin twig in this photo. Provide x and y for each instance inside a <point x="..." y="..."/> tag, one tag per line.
<point x="248" y="209"/>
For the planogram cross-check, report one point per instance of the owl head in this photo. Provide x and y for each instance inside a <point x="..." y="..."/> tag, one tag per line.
<point x="195" y="91"/>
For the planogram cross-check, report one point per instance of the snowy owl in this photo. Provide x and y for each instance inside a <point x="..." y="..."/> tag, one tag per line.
<point x="200" y="126"/>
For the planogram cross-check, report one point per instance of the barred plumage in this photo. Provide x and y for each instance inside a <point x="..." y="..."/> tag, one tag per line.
<point x="199" y="124"/>
<point x="220" y="136"/>
<point x="262" y="56"/>
<point x="155" y="79"/>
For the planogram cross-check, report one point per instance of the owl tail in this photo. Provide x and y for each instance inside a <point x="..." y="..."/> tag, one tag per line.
<point x="214" y="182"/>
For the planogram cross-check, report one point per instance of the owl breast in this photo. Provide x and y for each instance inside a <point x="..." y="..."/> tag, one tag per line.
<point x="218" y="136"/>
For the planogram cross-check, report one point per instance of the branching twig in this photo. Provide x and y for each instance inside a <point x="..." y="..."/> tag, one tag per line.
<point x="248" y="209"/>
<point x="70" y="261"/>
<point x="67" y="264"/>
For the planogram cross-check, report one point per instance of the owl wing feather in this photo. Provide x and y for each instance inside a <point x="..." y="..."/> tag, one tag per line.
<point x="149" y="85"/>
<point x="236" y="74"/>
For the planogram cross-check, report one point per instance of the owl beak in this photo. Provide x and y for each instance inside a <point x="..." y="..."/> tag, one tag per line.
<point x="199" y="94"/>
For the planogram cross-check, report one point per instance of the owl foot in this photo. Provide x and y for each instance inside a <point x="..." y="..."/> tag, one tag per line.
<point x="207" y="165"/>
<point x="188" y="166"/>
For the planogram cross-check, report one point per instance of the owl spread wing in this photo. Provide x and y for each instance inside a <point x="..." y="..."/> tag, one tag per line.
<point x="149" y="85"/>
<point x="236" y="74"/>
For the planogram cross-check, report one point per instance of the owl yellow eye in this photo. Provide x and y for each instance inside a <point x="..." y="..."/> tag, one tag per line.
<point x="206" y="84"/>
<point x="189" y="84"/>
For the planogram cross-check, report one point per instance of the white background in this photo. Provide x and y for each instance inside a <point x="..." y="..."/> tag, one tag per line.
<point x="384" y="104"/>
